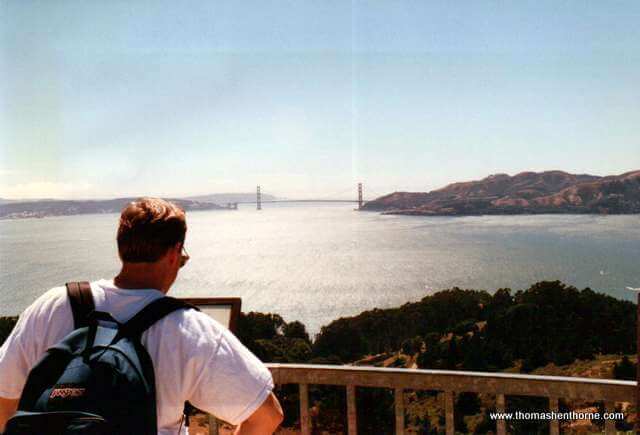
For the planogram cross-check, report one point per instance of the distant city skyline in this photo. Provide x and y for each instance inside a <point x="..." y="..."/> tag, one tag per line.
<point x="306" y="99"/>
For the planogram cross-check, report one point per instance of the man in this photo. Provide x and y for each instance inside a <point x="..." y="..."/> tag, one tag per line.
<point x="194" y="357"/>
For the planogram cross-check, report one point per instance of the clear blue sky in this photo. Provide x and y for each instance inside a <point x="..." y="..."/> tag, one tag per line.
<point x="306" y="98"/>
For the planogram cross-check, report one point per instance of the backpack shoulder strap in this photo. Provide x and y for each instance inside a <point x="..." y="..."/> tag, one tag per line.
<point x="153" y="312"/>
<point x="81" y="301"/>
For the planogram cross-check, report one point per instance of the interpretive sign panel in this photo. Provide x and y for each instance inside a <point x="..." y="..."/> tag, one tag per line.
<point x="225" y="310"/>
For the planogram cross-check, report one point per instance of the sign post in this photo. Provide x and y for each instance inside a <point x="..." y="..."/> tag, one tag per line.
<point x="637" y="290"/>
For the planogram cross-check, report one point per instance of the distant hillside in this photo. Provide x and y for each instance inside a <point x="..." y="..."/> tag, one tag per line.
<point x="38" y="209"/>
<point x="224" y="198"/>
<point x="524" y="193"/>
<point x="7" y="201"/>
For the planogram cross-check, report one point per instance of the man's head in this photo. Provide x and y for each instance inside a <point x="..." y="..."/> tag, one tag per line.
<point x="151" y="237"/>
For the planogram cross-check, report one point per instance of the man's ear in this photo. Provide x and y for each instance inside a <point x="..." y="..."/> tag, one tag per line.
<point x="176" y="251"/>
<point x="173" y="253"/>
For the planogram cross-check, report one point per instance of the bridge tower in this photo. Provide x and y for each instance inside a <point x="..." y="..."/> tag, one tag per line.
<point x="258" y="199"/>
<point x="360" y="202"/>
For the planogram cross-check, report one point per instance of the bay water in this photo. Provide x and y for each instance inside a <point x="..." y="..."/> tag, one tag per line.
<point x="316" y="263"/>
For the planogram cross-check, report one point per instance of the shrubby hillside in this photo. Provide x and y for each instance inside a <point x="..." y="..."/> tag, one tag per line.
<point x="462" y="329"/>
<point x="455" y="329"/>
<point x="549" y="322"/>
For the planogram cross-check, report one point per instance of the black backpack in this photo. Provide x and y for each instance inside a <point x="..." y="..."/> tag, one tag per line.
<point x="98" y="380"/>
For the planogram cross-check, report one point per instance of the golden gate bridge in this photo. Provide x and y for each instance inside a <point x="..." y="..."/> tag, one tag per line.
<point x="259" y="200"/>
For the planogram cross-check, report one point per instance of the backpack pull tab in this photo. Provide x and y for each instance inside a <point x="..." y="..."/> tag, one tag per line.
<point x="93" y="319"/>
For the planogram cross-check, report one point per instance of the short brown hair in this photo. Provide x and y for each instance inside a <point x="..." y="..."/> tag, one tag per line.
<point x="148" y="228"/>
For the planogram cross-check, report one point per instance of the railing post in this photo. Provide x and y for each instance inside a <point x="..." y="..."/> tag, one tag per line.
<point x="554" y="425"/>
<point x="448" y="413"/>
<point x="305" y="428"/>
<point x="501" y="424"/>
<point x="213" y="425"/>
<point x="637" y="425"/>
<point x="352" y="413"/>
<point x="552" y="388"/>
<point x="399" y="402"/>
<point x="609" y="425"/>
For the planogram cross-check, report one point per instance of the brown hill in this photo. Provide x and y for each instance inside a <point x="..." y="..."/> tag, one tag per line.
<point x="524" y="193"/>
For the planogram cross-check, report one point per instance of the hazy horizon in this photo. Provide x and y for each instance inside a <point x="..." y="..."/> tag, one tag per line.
<point x="253" y="193"/>
<point x="306" y="99"/>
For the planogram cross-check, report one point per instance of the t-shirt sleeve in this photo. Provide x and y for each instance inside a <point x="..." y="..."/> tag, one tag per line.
<point x="15" y="362"/>
<point x="232" y="382"/>
<point x="30" y="338"/>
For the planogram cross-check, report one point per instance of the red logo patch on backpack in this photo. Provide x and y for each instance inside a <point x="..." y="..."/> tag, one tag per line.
<point x="66" y="392"/>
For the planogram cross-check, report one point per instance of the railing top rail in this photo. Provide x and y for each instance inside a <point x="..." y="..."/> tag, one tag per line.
<point x="460" y="381"/>
<point x="386" y="370"/>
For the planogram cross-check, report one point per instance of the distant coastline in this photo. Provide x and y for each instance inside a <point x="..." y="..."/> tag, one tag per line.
<point x="527" y="193"/>
<point x="17" y="209"/>
<point x="550" y="192"/>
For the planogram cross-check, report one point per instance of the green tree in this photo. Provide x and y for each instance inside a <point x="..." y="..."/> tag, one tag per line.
<point x="412" y="346"/>
<point x="625" y="369"/>
<point x="6" y="326"/>
<point x="254" y="326"/>
<point x="341" y="339"/>
<point x="296" y="329"/>
<point x="467" y="403"/>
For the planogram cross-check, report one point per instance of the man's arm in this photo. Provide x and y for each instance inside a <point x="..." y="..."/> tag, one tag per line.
<point x="265" y="420"/>
<point x="7" y="409"/>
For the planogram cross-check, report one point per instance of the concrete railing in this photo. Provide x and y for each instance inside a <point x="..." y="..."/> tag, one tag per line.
<point x="449" y="383"/>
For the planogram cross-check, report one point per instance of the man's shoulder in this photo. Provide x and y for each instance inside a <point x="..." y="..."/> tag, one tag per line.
<point x="190" y="325"/>
<point x="43" y="323"/>
<point x="48" y="303"/>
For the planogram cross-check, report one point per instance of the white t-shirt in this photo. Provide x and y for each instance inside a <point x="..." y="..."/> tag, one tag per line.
<point x="194" y="357"/>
